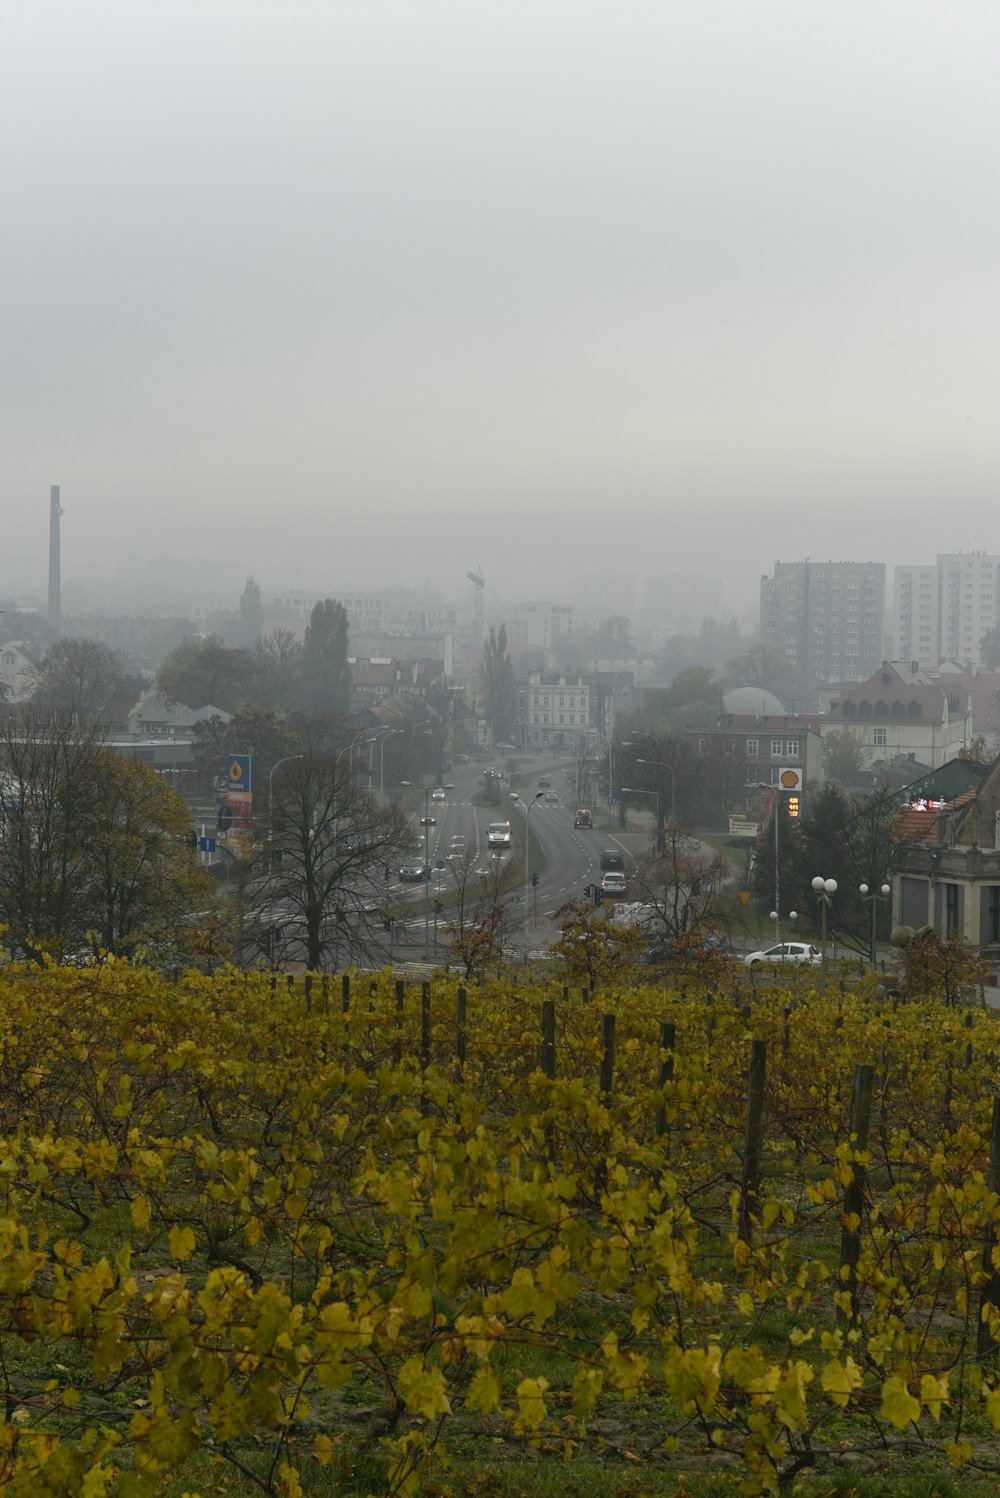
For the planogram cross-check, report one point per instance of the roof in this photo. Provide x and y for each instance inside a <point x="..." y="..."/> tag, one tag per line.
<point x="919" y="823"/>
<point x="898" y="690"/>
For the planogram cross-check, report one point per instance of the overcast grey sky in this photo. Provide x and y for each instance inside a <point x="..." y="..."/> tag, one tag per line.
<point x="387" y="290"/>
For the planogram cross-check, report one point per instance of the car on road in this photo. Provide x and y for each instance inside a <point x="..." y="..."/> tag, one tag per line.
<point x="614" y="884"/>
<point x="498" y="835"/>
<point x="438" y="794"/>
<point x="416" y="871"/>
<point x="785" y="951"/>
<point x="612" y="858"/>
<point x="428" y="821"/>
<point x="583" y="818"/>
<point x="551" y="796"/>
<point x="544" y="781"/>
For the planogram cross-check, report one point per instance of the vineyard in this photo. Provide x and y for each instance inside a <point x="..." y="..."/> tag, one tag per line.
<point x="279" y="1236"/>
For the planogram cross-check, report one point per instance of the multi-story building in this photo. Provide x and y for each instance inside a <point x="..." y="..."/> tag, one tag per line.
<point x="539" y="626"/>
<point x="943" y="611"/>
<point x="903" y="713"/>
<point x="680" y="601"/>
<point x="602" y="595"/>
<point x="826" y="619"/>
<point x="915" y="602"/>
<point x="553" y="711"/>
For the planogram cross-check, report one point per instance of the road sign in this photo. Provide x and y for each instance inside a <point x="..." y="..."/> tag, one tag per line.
<point x="207" y="844"/>
<point x="238" y="772"/>
<point x="745" y="896"/>
<point x="613" y="802"/>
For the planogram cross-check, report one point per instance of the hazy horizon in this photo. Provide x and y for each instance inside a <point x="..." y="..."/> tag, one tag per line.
<point x="382" y="294"/>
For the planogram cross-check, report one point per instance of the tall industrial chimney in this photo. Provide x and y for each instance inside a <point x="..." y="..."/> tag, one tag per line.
<point x="55" y="572"/>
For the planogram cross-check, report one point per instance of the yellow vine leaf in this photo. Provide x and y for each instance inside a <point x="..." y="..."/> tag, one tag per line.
<point x="182" y="1243"/>
<point x="898" y="1405"/>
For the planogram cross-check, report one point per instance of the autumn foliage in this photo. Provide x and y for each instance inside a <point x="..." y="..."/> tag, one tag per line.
<point x="225" y="1203"/>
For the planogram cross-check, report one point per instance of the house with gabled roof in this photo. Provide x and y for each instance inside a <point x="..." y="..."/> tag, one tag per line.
<point x="904" y="711"/>
<point x="946" y="863"/>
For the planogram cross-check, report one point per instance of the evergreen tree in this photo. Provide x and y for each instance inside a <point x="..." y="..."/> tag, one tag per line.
<point x="498" y="682"/>
<point x="326" y="674"/>
<point x="251" y="613"/>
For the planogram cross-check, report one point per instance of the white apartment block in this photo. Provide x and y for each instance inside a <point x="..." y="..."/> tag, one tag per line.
<point x="943" y="611"/>
<point x="916" y="613"/>
<point x="539" y="625"/>
<point x="601" y="595"/>
<point x="554" y="711"/>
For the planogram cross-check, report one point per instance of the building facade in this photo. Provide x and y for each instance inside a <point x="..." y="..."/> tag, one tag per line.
<point x="903" y="713"/>
<point x="943" y="611"/>
<point x="554" y="712"/>
<point x="826" y="619"/>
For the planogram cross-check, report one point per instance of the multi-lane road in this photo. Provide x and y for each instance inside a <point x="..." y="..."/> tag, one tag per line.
<point x="571" y="855"/>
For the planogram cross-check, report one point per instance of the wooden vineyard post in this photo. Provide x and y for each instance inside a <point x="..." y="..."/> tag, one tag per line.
<point x="549" y="1038"/>
<point x="461" y="999"/>
<point x="986" y="1344"/>
<point x="668" y="1035"/>
<point x="786" y="1029"/>
<point x="854" y="1193"/>
<point x="307" y="990"/>
<point x="397" y="1048"/>
<point x="425" y="1040"/>
<point x="607" y="1082"/>
<point x="752" y="1142"/>
<point x="345" y="993"/>
<point x="970" y="1020"/>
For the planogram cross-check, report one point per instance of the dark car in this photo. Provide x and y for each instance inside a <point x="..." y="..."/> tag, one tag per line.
<point x="428" y="821"/>
<point x="414" y="872"/>
<point x="611" y="858"/>
<point x="583" y="818"/>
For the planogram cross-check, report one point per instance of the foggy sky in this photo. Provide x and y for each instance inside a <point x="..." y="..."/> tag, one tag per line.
<point x="384" y="291"/>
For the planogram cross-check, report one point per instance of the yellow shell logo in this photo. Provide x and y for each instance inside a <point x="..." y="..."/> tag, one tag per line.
<point x="790" y="780"/>
<point x="235" y="770"/>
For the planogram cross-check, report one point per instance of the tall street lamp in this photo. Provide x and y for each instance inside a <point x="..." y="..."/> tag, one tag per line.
<point x="348" y="748"/>
<point x="661" y="764"/>
<point x="776" y="807"/>
<point x="825" y="890"/>
<point x="636" y="790"/>
<point x="528" y="808"/>
<point x="389" y="733"/>
<point x="270" y="802"/>
<point x="874" y="895"/>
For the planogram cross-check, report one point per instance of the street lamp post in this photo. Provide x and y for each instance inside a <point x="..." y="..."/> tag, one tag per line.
<point x="763" y="786"/>
<point x="636" y="790"/>
<point x="825" y="890"/>
<point x="528" y="806"/>
<point x="349" y="748"/>
<point x="270" y="803"/>
<point x="381" y="758"/>
<point x="874" y="895"/>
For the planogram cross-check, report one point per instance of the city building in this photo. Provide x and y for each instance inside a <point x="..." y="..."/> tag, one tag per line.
<point x="552" y="711"/>
<point x="826" y="619"/>
<point x="943" y="611"/>
<point x="757" y="743"/>
<point x="946" y="863"/>
<point x="602" y="595"/>
<point x="903" y="713"/>
<point x="678" y="603"/>
<point x="538" y="626"/>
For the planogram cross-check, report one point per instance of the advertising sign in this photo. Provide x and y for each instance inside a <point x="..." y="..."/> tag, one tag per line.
<point x="238" y="772"/>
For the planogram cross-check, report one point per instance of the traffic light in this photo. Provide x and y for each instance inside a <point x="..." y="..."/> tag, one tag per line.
<point x="534" y="880"/>
<point x="438" y="907"/>
<point x="793" y="806"/>
<point x="225" y="817"/>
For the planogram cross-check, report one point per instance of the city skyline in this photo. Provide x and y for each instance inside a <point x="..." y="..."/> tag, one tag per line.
<point x="397" y="292"/>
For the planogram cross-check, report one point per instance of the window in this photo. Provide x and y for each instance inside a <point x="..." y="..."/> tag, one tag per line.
<point x="878" y="737"/>
<point x="992" y="931"/>
<point x="752" y="749"/>
<point x="777" y="747"/>
<point x="792" y="748"/>
<point x="951" y="909"/>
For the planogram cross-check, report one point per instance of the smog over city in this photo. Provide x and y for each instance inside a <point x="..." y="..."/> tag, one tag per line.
<point x="359" y="296"/>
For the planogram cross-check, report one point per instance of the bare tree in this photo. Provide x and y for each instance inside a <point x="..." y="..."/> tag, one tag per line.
<point x="326" y="888"/>
<point x="486" y="914"/>
<point x="48" y="760"/>
<point x="77" y="676"/>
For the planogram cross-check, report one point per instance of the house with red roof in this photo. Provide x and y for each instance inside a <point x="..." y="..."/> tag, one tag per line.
<point x="946" y="864"/>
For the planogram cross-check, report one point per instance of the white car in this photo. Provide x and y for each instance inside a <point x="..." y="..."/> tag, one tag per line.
<point x="438" y="795"/>
<point x="786" y="951"/>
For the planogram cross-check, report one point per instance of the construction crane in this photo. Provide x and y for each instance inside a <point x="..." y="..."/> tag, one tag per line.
<point x="479" y="584"/>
